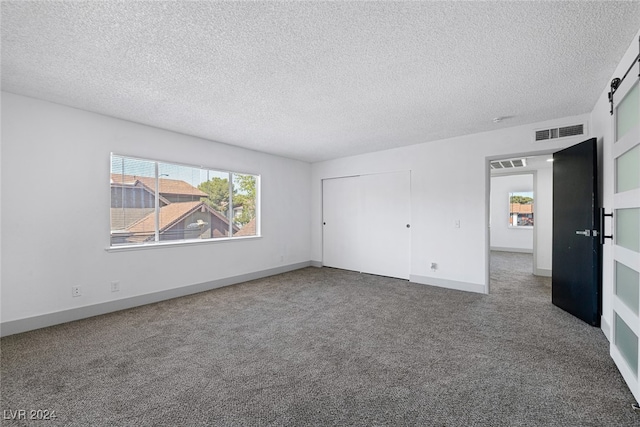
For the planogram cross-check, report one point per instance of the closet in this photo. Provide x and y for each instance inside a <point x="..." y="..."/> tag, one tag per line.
<point x="366" y="223"/>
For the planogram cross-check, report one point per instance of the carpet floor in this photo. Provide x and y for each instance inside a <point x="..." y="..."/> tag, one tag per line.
<point x="320" y="346"/>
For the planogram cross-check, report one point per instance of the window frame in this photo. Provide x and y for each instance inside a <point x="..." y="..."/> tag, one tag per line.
<point x="186" y="242"/>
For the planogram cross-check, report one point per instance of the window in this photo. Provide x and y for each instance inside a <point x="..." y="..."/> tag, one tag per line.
<point x="155" y="202"/>
<point x="521" y="209"/>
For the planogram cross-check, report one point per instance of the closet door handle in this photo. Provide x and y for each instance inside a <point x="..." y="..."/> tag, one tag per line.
<point x="408" y="225"/>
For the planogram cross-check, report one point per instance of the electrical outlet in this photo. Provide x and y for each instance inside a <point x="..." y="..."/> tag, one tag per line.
<point x="76" y="291"/>
<point x="457" y="223"/>
<point x="115" y="286"/>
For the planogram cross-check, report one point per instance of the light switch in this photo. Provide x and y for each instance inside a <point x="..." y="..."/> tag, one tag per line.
<point x="457" y="223"/>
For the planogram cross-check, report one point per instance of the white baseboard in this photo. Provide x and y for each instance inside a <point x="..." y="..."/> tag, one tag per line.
<point x="606" y="328"/>
<point x="41" y="321"/>
<point x="519" y="250"/>
<point x="449" y="284"/>
<point x="542" y="272"/>
<point x="316" y="263"/>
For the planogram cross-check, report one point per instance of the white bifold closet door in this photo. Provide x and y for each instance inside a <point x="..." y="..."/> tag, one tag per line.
<point x="367" y="223"/>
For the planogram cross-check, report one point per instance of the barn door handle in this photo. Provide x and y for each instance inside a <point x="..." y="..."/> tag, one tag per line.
<point x="584" y="233"/>
<point x="603" y="214"/>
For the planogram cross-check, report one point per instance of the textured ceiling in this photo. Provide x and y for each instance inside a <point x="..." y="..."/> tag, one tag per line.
<point x="317" y="80"/>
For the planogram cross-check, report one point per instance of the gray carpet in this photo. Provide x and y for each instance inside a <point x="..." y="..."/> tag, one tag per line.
<point x="326" y="347"/>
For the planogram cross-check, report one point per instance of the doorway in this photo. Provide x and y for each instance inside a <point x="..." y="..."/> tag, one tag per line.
<point x="520" y="215"/>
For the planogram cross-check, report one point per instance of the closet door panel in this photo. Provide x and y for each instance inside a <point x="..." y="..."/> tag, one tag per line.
<point x="385" y="207"/>
<point x="340" y="232"/>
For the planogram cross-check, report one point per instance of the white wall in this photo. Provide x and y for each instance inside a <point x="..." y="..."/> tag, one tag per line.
<point x="503" y="237"/>
<point x="55" y="211"/>
<point x="449" y="181"/>
<point x="602" y="128"/>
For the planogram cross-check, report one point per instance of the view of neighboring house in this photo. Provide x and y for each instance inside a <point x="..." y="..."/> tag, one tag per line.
<point x="183" y="212"/>
<point x="249" y="229"/>
<point x="520" y="214"/>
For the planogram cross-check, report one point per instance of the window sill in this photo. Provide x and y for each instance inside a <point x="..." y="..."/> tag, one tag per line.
<point x="170" y="244"/>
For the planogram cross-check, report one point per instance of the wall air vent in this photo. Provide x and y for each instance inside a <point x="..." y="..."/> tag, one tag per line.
<point x="562" y="132"/>
<point x="509" y="164"/>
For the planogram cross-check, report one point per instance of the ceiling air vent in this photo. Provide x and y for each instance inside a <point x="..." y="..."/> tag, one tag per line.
<point x="508" y="164"/>
<point x="562" y="132"/>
